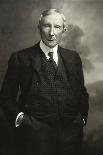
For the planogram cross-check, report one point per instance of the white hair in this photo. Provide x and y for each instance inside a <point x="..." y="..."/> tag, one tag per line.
<point x="49" y="12"/>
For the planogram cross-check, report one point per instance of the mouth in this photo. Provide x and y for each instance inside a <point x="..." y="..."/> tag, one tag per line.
<point x="51" y="39"/>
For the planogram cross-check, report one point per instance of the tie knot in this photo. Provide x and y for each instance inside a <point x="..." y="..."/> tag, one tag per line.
<point x="50" y="54"/>
<point x="51" y="60"/>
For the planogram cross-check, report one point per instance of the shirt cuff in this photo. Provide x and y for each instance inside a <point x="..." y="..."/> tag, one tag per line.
<point x="19" y="118"/>
<point x="84" y="122"/>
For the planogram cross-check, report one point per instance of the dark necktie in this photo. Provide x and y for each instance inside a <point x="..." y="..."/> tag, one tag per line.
<point x="51" y="60"/>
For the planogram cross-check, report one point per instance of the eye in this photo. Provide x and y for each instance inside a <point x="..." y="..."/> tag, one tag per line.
<point x="46" y="25"/>
<point x="58" y="26"/>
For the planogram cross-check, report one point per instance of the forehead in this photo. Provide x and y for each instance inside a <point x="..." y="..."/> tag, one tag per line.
<point x="54" y="18"/>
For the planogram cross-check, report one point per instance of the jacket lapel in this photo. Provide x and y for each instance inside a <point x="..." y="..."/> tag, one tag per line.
<point x="66" y="59"/>
<point x="35" y="59"/>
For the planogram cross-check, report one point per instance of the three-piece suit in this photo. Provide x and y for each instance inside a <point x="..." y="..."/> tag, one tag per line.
<point x="54" y="101"/>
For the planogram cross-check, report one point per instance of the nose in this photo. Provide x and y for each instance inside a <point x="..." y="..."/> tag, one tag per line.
<point x="51" y="32"/>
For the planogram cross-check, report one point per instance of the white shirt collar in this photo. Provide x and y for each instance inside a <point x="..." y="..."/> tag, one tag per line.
<point x="47" y="49"/>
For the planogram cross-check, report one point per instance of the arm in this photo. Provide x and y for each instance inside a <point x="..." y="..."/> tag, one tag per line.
<point x="9" y="90"/>
<point x="9" y="93"/>
<point x="84" y="97"/>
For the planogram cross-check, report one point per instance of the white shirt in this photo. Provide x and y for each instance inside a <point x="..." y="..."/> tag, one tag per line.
<point x="47" y="49"/>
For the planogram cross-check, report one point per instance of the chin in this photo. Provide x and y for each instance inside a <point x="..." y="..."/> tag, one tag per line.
<point x="51" y="45"/>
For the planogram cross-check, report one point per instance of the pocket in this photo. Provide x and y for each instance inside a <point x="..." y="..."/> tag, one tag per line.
<point x="35" y="85"/>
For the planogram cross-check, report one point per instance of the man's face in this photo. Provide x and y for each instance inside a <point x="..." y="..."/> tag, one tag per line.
<point x="51" y="29"/>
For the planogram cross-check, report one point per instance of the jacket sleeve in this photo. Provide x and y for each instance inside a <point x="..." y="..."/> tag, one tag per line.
<point x="84" y="97"/>
<point x="9" y="90"/>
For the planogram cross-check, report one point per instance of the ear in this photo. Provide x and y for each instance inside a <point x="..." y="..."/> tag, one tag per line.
<point x="64" y="29"/>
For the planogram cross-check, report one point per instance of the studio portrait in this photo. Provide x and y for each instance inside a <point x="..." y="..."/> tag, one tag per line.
<point x="51" y="77"/>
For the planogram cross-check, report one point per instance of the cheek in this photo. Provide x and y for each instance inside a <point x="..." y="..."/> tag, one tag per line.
<point x="59" y="35"/>
<point x="44" y="33"/>
<point x="45" y="30"/>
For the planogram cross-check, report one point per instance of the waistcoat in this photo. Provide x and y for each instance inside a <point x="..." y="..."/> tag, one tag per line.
<point x="53" y="100"/>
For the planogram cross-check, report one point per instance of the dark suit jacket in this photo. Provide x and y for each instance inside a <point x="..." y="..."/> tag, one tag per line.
<point x="22" y="74"/>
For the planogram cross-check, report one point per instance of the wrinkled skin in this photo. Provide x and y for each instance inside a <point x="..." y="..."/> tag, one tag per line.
<point x="51" y="29"/>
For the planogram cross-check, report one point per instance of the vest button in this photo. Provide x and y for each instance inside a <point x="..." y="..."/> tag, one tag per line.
<point x="37" y="83"/>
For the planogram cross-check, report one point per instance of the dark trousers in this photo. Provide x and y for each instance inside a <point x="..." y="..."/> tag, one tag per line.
<point x="61" y="139"/>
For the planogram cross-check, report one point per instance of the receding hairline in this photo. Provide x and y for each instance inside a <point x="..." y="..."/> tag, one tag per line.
<point x="50" y="12"/>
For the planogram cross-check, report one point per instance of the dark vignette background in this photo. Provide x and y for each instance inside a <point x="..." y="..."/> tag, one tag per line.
<point x="18" y="30"/>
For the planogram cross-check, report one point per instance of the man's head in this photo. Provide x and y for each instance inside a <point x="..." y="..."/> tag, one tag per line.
<point x="52" y="25"/>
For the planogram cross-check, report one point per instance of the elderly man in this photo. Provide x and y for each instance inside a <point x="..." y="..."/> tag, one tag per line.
<point x="52" y="105"/>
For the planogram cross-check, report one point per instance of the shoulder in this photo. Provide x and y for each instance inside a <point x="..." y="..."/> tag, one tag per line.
<point x="71" y="59"/>
<point x="23" y="55"/>
<point x="68" y="53"/>
<point x="26" y="51"/>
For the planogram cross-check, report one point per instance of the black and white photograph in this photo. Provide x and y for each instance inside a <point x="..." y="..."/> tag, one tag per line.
<point x="51" y="77"/>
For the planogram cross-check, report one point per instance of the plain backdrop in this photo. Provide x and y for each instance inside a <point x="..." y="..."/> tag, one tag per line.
<point x="18" y="30"/>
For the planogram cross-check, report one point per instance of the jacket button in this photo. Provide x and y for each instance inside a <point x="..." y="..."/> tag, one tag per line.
<point x="37" y="83"/>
